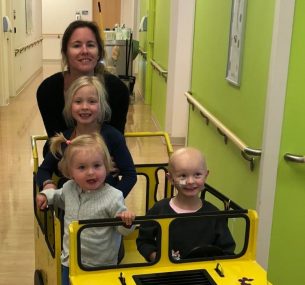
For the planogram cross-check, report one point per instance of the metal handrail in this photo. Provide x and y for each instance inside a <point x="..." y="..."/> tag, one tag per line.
<point x="153" y="134"/>
<point x="161" y="71"/>
<point x="294" y="158"/>
<point x="169" y="147"/>
<point x="34" y="139"/>
<point x="228" y="134"/>
<point x="21" y="49"/>
<point x="142" y="52"/>
<point x="53" y="35"/>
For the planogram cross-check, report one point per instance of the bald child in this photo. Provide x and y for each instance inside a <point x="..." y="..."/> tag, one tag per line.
<point x="188" y="172"/>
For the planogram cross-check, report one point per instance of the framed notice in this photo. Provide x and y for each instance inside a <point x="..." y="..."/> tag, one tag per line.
<point x="237" y="29"/>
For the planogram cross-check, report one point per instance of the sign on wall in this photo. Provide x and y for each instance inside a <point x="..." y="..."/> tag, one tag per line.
<point x="238" y="17"/>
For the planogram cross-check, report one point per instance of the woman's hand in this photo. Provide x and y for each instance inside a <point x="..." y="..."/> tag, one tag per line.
<point x="49" y="184"/>
<point x="114" y="169"/>
<point x="41" y="201"/>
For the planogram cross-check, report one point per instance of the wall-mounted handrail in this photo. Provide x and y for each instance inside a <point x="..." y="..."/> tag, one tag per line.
<point x="57" y="35"/>
<point x="161" y="71"/>
<point x="143" y="53"/>
<point x="246" y="151"/>
<point x="294" y="158"/>
<point x="24" y="48"/>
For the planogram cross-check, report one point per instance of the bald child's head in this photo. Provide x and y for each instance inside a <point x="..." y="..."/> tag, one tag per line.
<point x="186" y="156"/>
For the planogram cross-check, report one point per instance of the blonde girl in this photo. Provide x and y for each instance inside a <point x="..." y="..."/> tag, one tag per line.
<point x="86" y="162"/>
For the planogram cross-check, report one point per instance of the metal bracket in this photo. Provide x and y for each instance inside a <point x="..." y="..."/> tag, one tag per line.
<point x="224" y="135"/>
<point x="249" y="159"/>
<point x="193" y="106"/>
<point x="205" y="117"/>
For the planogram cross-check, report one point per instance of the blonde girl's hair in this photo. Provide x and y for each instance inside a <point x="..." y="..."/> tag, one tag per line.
<point x="64" y="149"/>
<point x="105" y="111"/>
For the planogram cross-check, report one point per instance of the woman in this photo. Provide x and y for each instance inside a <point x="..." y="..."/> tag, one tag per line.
<point x="82" y="52"/>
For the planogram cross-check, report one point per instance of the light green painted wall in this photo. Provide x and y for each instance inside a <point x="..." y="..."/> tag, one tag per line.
<point x="287" y="259"/>
<point x="144" y="5"/>
<point x="142" y="62"/>
<point x="160" y="55"/>
<point x="149" y="49"/>
<point x="241" y="109"/>
<point x="158" y="99"/>
<point x="161" y="32"/>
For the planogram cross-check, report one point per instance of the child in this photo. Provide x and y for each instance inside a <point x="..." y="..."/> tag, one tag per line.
<point x="86" y="110"/>
<point x="187" y="171"/>
<point x="86" y="161"/>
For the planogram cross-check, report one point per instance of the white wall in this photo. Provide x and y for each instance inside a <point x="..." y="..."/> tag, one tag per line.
<point x="29" y="60"/>
<point x="4" y="89"/>
<point x="56" y="16"/>
<point x="18" y="68"/>
<point x="179" y="68"/>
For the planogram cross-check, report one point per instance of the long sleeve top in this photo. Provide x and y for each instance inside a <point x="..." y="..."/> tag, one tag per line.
<point x="186" y="234"/>
<point x="118" y="149"/>
<point x="99" y="246"/>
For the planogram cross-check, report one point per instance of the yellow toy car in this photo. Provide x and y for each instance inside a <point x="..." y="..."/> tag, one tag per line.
<point x="204" y="264"/>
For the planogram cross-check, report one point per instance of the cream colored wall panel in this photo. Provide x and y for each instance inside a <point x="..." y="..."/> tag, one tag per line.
<point x="56" y="16"/>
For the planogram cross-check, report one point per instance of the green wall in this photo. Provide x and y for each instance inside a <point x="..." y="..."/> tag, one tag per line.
<point x="161" y="32"/>
<point x="158" y="43"/>
<point x="287" y="247"/>
<point x="241" y="109"/>
<point x="144" y="5"/>
<point x="142" y="62"/>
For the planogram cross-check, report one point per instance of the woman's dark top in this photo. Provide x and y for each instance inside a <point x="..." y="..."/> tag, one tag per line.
<point x="186" y="234"/>
<point x="50" y="99"/>
<point x="117" y="147"/>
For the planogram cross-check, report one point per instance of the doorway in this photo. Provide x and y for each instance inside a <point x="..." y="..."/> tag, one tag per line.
<point x="106" y="13"/>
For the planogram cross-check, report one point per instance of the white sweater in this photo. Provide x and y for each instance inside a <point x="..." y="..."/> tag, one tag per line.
<point x="99" y="246"/>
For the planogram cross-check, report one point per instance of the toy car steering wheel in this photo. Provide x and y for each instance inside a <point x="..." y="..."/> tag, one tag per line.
<point x="203" y="251"/>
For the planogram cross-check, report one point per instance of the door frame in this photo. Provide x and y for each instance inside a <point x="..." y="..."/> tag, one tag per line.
<point x="7" y="82"/>
<point x="274" y="112"/>
<point x="3" y="78"/>
<point x="10" y="50"/>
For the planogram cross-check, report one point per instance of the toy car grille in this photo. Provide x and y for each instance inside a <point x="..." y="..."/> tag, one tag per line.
<point x="190" y="277"/>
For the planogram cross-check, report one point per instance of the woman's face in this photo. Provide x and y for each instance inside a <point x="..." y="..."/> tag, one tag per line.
<point x="82" y="52"/>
